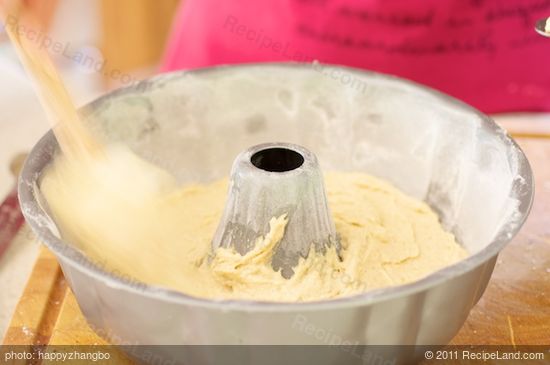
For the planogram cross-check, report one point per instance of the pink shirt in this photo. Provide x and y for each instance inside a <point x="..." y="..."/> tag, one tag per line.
<point x="484" y="52"/>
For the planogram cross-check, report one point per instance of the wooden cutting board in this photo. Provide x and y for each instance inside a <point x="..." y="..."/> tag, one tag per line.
<point x="514" y="310"/>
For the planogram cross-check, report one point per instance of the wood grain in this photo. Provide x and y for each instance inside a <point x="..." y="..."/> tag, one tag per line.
<point x="36" y="314"/>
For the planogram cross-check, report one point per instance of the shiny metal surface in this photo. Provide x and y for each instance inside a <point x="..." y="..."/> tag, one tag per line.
<point x="540" y="27"/>
<point x="428" y="144"/>
<point x="292" y="188"/>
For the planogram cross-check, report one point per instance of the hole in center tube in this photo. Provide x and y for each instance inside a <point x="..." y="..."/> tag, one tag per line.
<point x="277" y="159"/>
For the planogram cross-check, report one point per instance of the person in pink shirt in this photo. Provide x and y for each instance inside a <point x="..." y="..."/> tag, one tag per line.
<point x="484" y="52"/>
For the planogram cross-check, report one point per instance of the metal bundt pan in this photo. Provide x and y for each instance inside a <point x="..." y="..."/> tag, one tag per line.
<point x="194" y="123"/>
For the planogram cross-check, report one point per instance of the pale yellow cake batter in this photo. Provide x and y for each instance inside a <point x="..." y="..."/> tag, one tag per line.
<point x="132" y="219"/>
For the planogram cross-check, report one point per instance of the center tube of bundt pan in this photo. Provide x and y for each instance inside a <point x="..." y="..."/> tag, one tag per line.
<point x="271" y="180"/>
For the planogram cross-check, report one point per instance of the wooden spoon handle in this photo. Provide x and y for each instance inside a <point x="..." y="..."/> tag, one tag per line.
<point x="72" y="135"/>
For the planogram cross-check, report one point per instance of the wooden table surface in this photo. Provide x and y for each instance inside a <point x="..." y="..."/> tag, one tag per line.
<point x="514" y="310"/>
